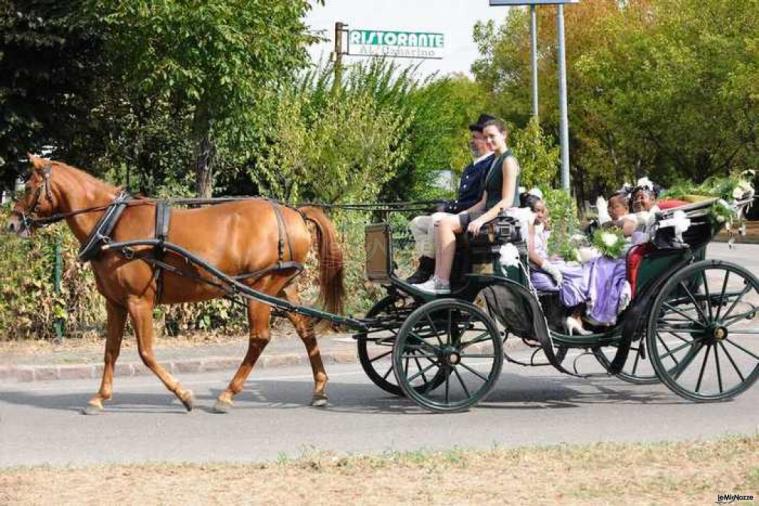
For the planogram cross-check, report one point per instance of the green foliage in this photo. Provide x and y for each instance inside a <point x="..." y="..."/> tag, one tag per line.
<point x="48" y="63"/>
<point x="563" y="218"/>
<point x="29" y="304"/>
<point x="213" y="63"/>
<point x="537" y="153"/>
<point x="343" y="154"/>
<point x="666" y="88"/>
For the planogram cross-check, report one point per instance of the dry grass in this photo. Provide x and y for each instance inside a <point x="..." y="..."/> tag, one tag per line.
<point x="678" y="473"/>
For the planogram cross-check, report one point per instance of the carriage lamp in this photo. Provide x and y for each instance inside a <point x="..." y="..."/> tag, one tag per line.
<point x="19" y="186"/>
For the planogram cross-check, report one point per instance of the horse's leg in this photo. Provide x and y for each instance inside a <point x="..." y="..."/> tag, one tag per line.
<point x="141" y="313"/>
<point x="116" y="320"/>
<point x="259" y="316"/>
<point x="304" y="326"/>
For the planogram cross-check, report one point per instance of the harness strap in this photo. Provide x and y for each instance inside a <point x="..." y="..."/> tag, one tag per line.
<point x="282" y="233"/>
<point x="101" y="233"/>
<point x="162" y="221"/>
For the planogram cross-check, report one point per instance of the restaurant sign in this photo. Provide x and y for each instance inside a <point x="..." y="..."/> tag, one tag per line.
<point x="396" y="44"/>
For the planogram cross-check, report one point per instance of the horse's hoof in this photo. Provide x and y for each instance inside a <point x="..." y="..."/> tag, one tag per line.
<point x="92" y="409"/>
<point x="222" y="407"/>
<point x="188" y="399"/>
<point x="319" y="400"/>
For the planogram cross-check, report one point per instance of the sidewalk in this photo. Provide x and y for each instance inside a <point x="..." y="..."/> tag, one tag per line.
<point x="61" y="362"/>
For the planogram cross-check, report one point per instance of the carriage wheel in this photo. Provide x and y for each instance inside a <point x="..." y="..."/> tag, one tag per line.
<point x="637" y="370"/>
<point x="703" y="331"/>
<point x="455" y="341"/>
<point x="376" y="347"/>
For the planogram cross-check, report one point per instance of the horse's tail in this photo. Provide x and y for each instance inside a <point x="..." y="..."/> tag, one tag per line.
<point x="331" y="287"/>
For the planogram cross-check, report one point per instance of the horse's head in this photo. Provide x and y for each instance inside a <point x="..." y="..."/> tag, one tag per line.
<point x="37" y="200"/>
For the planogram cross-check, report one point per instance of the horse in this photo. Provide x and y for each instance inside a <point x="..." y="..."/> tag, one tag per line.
<point x="239" y="237"/>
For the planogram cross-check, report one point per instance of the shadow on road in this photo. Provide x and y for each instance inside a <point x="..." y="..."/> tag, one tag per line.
<point x="513" y="392"/>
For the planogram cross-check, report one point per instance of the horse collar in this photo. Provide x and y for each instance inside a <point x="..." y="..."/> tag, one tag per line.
<point x="101" y="233"/>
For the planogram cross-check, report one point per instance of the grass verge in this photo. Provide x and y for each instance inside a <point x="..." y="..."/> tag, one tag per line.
<point x="662" y="473"/>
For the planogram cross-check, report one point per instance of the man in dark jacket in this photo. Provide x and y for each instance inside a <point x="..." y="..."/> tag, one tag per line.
<point x="470" y="192"/>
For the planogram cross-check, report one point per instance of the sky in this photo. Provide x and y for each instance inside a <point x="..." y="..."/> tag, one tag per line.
<point x="454" y="18"/>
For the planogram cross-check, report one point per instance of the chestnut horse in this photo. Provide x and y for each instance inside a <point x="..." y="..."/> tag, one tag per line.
<point x="237" y="237"/>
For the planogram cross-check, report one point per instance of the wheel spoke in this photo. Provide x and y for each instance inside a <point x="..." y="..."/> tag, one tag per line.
<point x="485" y="336"/>
<point x="387" y="373"/>
<point x="483" y="378"/>
<point x="449" y="328"/>
<point x="722" y="294"/>
<point x="703" y="367"/>
<point x="419" y="366"/>
<point x="738" y="298"/>
<point x="689" y="357"/>
<point x="740" y="316"/>
<point x="673" y="331"/>
<point x="461" y="381"/>
<point x="434" y="329"/>
<point x="719" y="373"/>
<point x="658" y="336"/>
<point x="673" y="308"/>
<point x="421" y="372"/>
<point x="708" y="297"/>
<point x="447" y="387"/>
<point x="730" y="358"/>
<point x="695" y="304"/>
<point x="675" y="350"/>
<point x="741" y="348"/>
<point x="380" y="356"/>
<point x="422" y="344"/>
<point x="635" y="362"/>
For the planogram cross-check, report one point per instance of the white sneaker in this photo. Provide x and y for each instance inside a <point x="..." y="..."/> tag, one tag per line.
<point x="434" y="286"/>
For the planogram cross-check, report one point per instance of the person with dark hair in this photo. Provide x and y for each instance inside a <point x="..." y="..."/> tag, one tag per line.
<point x="553" y="274"/>
<point x="470" y="192"/>
<point x="500" y="192"/>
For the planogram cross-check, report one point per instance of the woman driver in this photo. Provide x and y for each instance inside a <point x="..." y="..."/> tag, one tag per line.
<point x="500" y="192"/>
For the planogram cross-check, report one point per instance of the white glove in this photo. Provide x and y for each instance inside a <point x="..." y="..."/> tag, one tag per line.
<point x="603" y="210"/>
<point x="553" y="271"/>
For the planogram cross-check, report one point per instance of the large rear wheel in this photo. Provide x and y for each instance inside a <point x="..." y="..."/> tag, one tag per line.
<point x="458" y="345"/>
<point x="703" y="331"/>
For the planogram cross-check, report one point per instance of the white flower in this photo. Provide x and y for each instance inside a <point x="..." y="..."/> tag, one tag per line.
<point x="646" y="183"/>
<point x="509" y="255"/>
<point x="609" y="239"/>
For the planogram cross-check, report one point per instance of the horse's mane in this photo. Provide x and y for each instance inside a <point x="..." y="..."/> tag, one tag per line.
<point x="82" y="175"/>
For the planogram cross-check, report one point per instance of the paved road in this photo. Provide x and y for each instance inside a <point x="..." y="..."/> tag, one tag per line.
<point x="40" y="422"/>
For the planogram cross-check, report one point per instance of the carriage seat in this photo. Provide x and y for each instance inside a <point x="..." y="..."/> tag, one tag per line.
<point x="484" y="247"/>
<point x="668" y="204"/>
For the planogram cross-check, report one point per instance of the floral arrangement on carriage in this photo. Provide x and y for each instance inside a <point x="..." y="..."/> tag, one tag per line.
<point x="731" y="196"/>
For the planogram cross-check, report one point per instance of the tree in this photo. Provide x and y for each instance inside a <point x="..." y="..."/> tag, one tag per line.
<point x="665" y="88"/>
<point x="49" y="58"/>
<point x="218" y="59"/>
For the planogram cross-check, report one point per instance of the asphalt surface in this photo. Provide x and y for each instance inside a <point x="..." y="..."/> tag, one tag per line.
<point x="40" y="420"/>
<point x="40" y="423"/>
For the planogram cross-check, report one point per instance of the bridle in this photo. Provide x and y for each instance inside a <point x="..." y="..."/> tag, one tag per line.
<point x="29" y="218"/>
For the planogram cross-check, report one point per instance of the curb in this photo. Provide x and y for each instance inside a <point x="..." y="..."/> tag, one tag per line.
<point x="30" y="373"/>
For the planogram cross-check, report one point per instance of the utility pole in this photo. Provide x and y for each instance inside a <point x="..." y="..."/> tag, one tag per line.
<point x="563" y="119"/>
<point x="339" y="29"/>
<point x="534" y="57"/>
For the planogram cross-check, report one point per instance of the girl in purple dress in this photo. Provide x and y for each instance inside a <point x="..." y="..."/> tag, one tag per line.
<point x="551" y="273"/>
<point x="600" y="283"/>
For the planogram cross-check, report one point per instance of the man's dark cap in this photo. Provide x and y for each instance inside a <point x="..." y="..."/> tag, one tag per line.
<point x="484" y="118"/>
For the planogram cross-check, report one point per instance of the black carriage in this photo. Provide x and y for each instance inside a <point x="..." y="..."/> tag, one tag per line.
<point x="692" y="323"/>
